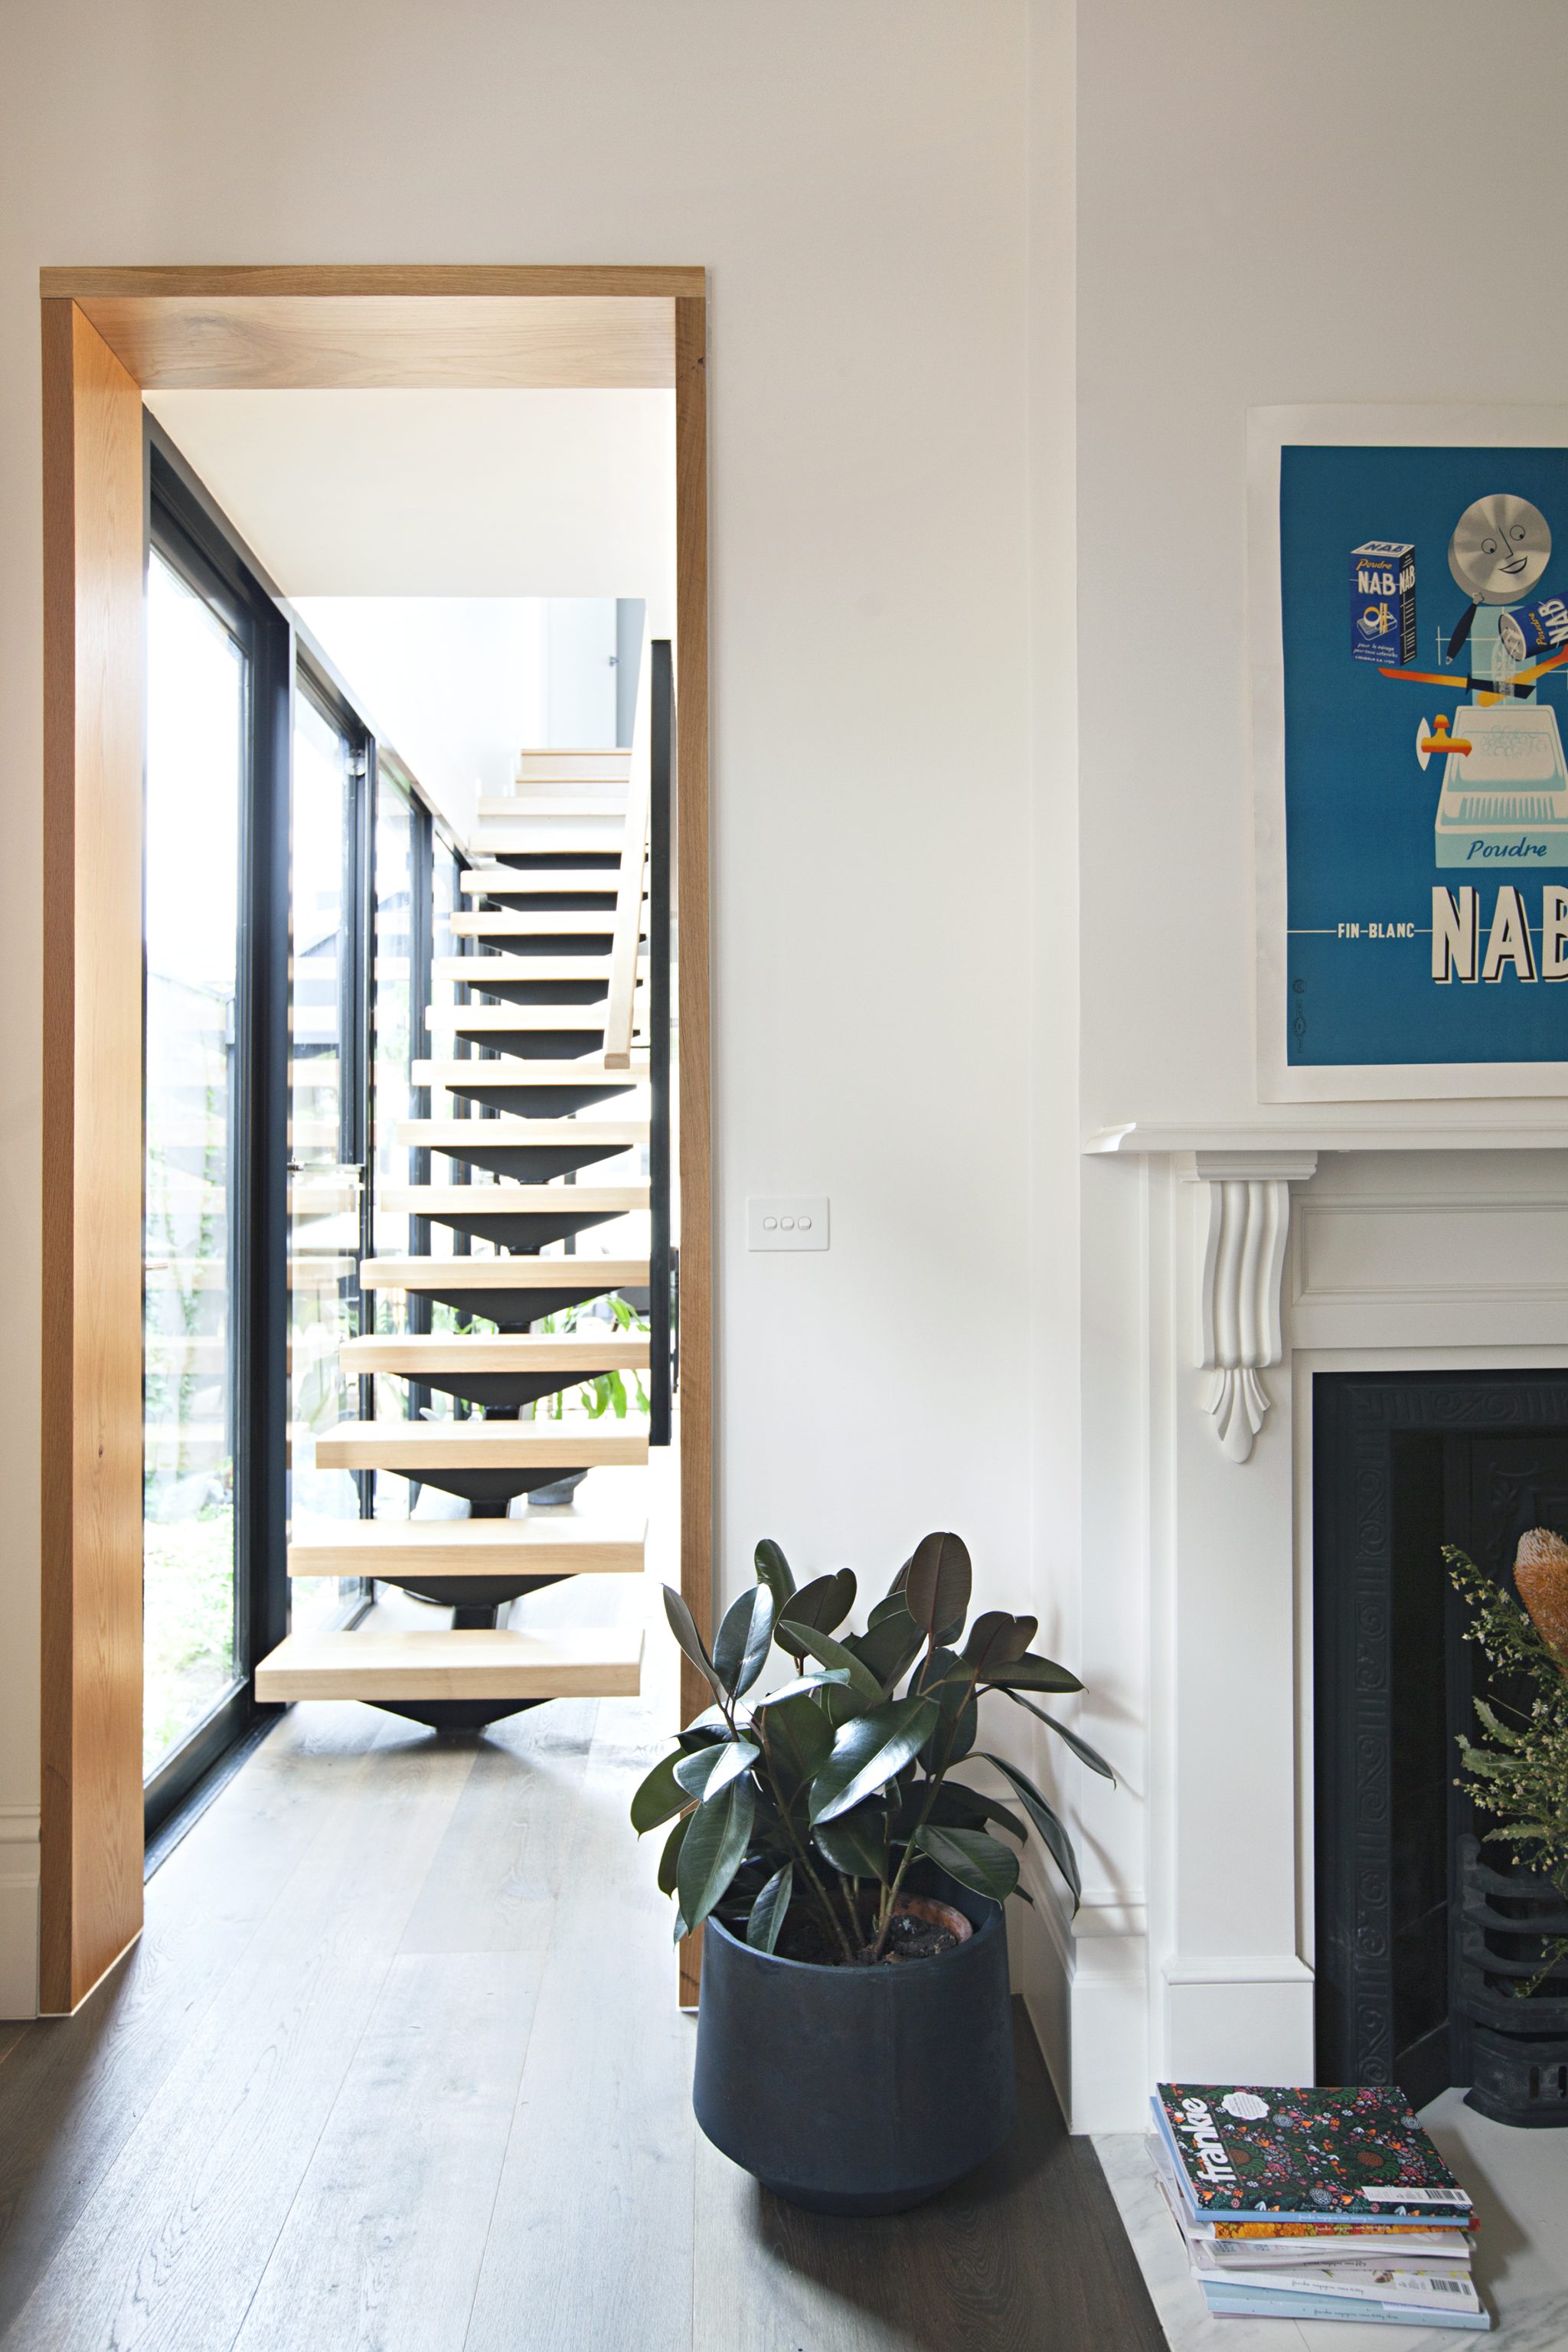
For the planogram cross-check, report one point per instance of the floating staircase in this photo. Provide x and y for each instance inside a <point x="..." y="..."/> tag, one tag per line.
<point x="547" y="1028"/>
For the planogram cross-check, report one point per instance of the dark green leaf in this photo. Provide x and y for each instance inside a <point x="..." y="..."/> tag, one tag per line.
<point x="1030" y="1672"/>
<point x="856" y="1842"/>
<point x="869" y="1752"/>
<point x="658" y="1796"/>
<point x="890" y="1644"/>
<point x="1050" y="1828"/>
<point x="704" y="1729"/>
<point x="834" y="1653"/>
<point x="703" y="1775"/>
<point x="839" y="1702"/>
<point x="774" y="1572"/>
<point x="714" y="1850"/>
<point x="942" y="1666"/>
<point x="958" y="1806"/>
<point x="995" y="1639"/>
<point x="823" y="1603"/>
<point x="744" y="1639"/>
<point x="937" y="1587"/>
<point x="799" y="1738"/>
<point x="1080" y="1748"/>
<point x="895" y="1590"/>
<point x="767" y="1913"/>
<point x="683" y="1625"/>
<point x="672" y="1855"/>
<point x="946" y="1678"/>
<point x="805" y="1683"/>
<point x="975" y="1859"/>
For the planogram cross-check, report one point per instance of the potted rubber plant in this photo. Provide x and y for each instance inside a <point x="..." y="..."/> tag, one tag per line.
<point x="855" y="2046"/>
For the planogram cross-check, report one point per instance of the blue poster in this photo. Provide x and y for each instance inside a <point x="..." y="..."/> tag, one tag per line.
<point x="1424" y="631"/>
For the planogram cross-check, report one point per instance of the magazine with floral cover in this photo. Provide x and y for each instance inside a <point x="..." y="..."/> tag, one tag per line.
<point x="1307" y="2154"/>
<point x="1255" y="2238"/>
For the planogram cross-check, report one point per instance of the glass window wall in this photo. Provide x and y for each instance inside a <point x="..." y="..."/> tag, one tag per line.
<point x="197" y="689"/>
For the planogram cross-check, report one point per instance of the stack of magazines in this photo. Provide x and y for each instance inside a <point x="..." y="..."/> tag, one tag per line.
<point x="1308" y="2204"/>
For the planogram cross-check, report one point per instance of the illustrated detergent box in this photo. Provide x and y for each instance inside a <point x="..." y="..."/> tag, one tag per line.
<point x="1382" y="603"/>
<point x="1535" y="629"/>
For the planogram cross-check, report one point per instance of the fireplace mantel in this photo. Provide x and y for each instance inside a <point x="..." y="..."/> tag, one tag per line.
<point x="1433" y="1127"/>
<point x="1317" y="1239"/>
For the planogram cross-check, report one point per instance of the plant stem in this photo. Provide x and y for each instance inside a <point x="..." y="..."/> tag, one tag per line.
<point x="802" y="1856"/>
<point x="885" y="1919"/>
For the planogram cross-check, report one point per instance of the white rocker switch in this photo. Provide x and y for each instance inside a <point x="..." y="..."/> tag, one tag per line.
<point x="777" y="1220"/>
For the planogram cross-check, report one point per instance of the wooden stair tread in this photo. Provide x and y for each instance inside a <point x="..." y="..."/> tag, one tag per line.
<point x="537" y="764"/>
<point x="410" y="1446"/>
<point x="507" y="806"/>
<point x="503" y="1273"/>
<point x="581" y="1070"/>
<point x="546" y="922"/>
<point x="509" y="882"/>
<point x="471" y="1662"/>
<point x="410" y="1353"/>
<point x="478" y="1018"/>
<point x="435" y="1134"/>
<point x="505" y="1199"/>
<point x="478" y="970"/>
<point x="566" y="1539"/>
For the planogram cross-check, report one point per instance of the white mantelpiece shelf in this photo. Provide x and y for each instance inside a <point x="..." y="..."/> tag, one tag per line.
<point x="1451" y="1128"/>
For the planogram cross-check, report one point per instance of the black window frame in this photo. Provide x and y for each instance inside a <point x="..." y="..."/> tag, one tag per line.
<point x="182" y="527"/>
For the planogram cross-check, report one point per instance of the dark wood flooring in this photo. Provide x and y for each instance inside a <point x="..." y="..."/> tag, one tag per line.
<point x="396" y="2067"/>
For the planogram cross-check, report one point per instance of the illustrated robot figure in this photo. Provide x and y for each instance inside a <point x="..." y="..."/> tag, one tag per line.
<point x="1505" y="786"/>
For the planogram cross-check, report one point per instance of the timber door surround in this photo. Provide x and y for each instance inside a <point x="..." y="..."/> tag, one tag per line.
<point x="109" y="335"/>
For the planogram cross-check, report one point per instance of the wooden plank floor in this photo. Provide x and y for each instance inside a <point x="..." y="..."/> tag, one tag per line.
<point x="396" y="2065"/>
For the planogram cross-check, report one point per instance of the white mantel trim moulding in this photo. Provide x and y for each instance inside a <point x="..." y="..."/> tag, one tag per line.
<point x="1478" y="1127"/>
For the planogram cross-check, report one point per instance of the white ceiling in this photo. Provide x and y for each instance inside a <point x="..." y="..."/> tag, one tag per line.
<point x="413" y="531"/>
<point x="443" y="493"/>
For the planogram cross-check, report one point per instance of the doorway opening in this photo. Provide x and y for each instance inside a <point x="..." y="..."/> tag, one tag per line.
<point x="426" y="1087"/>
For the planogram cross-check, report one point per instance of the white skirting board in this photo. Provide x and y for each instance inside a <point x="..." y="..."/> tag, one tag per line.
<point x="1084" y="1982"/>
<point x="18" y="1911"/>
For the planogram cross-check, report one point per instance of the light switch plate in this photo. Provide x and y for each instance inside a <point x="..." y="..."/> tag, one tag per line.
<point x="787" y="1220"/>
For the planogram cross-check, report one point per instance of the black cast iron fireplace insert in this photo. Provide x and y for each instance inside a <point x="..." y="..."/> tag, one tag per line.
<point x="1410" y="1918"/>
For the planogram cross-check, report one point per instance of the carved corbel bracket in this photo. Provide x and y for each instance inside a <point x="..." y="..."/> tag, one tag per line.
<point x="1247" y="1210"/>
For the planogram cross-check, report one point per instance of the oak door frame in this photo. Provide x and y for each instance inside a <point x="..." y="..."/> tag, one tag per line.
<point x="107" y="336"/>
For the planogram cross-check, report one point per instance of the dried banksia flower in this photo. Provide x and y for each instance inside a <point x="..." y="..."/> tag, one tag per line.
<point x="1541" y="1573"/>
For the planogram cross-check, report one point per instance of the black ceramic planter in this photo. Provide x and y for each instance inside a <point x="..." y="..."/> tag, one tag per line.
<point x="857" y="2090"/>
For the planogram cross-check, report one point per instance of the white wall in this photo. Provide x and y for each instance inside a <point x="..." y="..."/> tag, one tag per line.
<point x="854" y="179"/>
<point x="1274" y="204"/>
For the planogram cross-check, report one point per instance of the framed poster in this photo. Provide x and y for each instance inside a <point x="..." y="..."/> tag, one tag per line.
<point x="1408" y="590"/>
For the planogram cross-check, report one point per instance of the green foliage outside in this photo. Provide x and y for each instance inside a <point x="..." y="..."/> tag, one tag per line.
<point x="607" y="1393"/>
<point x="188" y="1623"/>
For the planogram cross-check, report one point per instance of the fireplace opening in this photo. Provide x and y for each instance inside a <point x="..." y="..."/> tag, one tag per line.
<point x="1423" y="1935"/>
